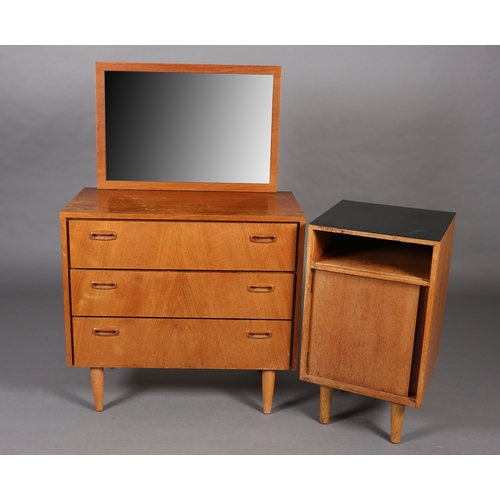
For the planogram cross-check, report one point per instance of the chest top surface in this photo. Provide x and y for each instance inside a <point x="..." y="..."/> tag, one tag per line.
<point x="95" y="203"/>
<point x="413" y="223"/>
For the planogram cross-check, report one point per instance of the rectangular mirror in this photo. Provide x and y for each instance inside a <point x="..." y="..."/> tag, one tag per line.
<point x="187" y="126"/>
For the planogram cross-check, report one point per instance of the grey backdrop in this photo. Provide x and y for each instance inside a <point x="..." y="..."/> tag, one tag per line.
<point x="411" y="126"/>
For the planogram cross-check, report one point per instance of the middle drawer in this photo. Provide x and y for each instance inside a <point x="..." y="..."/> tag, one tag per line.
<point x="182" y="294"/>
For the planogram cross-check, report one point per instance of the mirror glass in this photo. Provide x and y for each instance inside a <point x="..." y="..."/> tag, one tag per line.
<point x="188" y="127"/>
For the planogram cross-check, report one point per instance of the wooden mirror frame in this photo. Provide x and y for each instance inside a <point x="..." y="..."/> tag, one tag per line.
<point x="102" y="183"/>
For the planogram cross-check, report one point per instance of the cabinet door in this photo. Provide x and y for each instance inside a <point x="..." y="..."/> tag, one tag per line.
<point x="362" y="331"/>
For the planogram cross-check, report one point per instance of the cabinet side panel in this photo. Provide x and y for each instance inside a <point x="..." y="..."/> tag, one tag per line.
<point x="297" y="299"/>
<point x="435" y="311"/>
<point x="313" y="250"/>
<point x="362" y="331"/>
<point x="66" y="291"/>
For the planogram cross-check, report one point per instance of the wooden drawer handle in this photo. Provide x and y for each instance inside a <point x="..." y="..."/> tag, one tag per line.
<point x="260" y="288"/>
<point x="102" y="235"/>
<point x="106" y="332"/>
<point x="263" y="238"/>
<point x="259" y="335"/>
<point x="104" y="285"/>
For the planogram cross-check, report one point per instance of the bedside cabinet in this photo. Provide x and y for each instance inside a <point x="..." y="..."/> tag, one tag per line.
<point x="375" y="291"/>
<point x="156" y="279"/>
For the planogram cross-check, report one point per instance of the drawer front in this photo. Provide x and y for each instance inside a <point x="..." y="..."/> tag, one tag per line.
<point x="182" y="245"/>
<point x="182" y="294"/>
<point x="181" y="343"/>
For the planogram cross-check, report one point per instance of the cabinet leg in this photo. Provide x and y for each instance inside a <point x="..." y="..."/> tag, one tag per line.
<point x="268" y="379"/>
<point x="397" y="418"/>
<point x="325" y="403"/>
<point x="97" y="380"/>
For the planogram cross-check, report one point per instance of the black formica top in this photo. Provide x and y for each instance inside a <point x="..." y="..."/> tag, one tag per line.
<point x="386" y="219"/>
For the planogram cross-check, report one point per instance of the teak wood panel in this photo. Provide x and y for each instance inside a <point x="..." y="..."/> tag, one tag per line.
<point x="182" y="245"/>
<point x="66" y="290"/>
<point x="435" y="308"/>
<point x="91" y="203"/>
<point x="182" y="294"/>
<point x="181" y="343"/>
<point x="362" y="331"/>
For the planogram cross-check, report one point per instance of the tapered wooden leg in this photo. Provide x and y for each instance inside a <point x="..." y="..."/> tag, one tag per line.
<point x="397" y="418"/>
<point x="97" y="380"/>
<point x="325" y="403"/>
<point x="268" y="379"/>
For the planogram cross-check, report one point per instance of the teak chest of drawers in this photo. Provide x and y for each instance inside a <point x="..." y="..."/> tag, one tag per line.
<point x="172" y="279"/>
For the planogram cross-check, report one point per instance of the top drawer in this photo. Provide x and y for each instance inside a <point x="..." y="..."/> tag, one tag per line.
<point x="182" y="245"/>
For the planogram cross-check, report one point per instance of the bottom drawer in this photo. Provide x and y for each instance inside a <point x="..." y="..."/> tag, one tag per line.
<point x="181" y="343"/>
